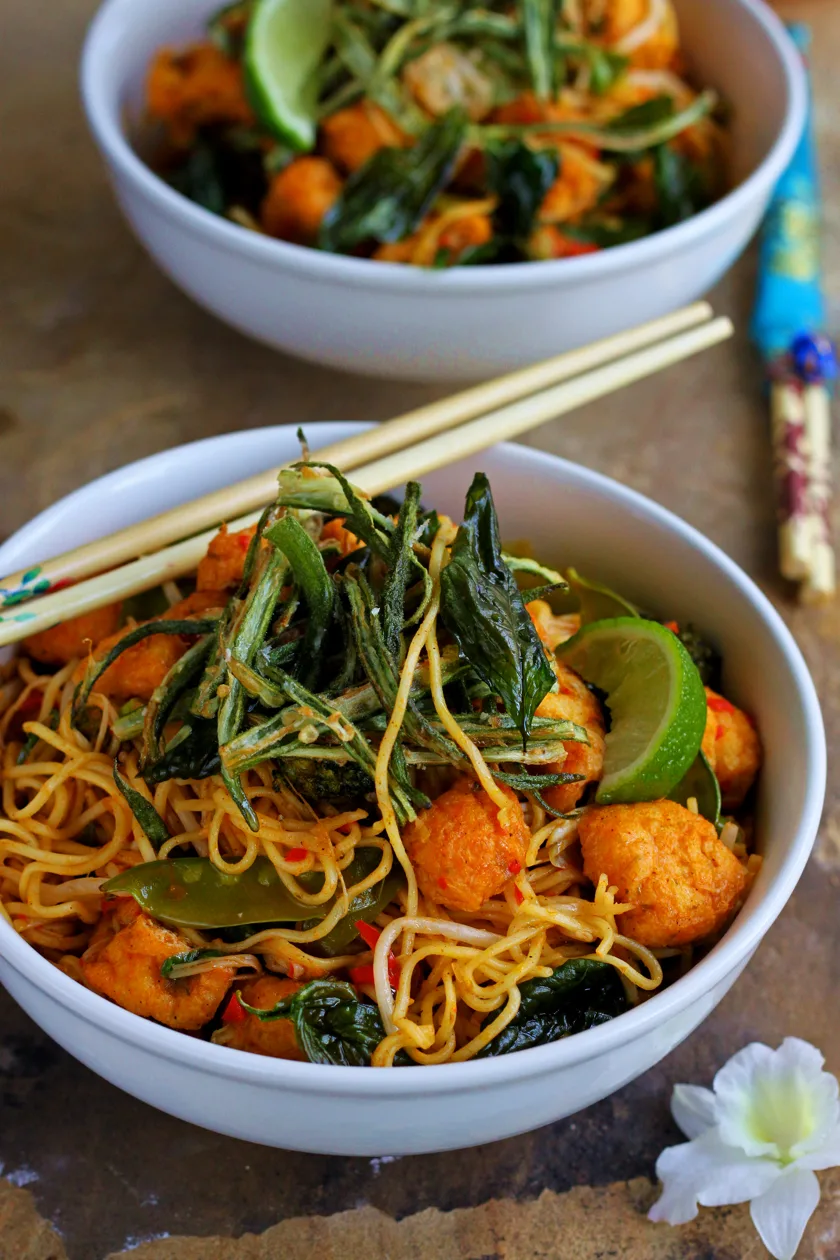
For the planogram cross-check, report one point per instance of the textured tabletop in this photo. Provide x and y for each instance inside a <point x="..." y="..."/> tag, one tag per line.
<point x="101" y="362"/>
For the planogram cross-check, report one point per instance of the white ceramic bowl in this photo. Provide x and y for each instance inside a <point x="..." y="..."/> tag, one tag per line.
<point x="398" y="321"/>
<point x="572" y="516"/>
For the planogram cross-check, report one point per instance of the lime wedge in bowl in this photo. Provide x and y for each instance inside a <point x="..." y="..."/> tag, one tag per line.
<point x="284" y="44"/>
<point x="656" y="701"/>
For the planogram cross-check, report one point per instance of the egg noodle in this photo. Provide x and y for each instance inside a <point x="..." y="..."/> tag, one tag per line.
<point x="66" y="829"/>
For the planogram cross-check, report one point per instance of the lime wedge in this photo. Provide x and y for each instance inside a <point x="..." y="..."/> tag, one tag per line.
<point x="284" y="44"/>
<point x="656" y="701"/>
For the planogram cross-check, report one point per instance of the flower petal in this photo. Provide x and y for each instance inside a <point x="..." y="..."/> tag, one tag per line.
<point x="709" y="1172"/>
<point x="777" y="1102"/>
<point x="734" y="1086"/>
<point x="781" y="1214"/>
<point x="825" y="1156"/>
<point x="694" y="1109"/>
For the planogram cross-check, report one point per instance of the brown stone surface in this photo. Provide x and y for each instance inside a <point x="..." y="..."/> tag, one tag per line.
<point x="102" y="361"/>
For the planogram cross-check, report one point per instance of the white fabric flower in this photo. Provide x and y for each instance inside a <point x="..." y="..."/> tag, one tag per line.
<point x="769" y="1123"/>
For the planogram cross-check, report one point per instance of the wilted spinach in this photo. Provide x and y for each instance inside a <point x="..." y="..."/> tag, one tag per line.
<point x="483" y="610"/>
<point x="331" y="1024"/>
<point x="390" y="195"/>
<point x="706" y="657"/>
<point x="192" y="754"/>
<point x="344" y="785"/>
<point x="580" y="994"/>
<point x="520" y="177"/>
<point x="681" y="188"/>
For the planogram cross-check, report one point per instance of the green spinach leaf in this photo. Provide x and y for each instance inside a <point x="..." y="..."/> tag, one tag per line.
<point x="705" y="656"/>
<point x="520" y="177"/>
<point x="580" y="994"/>
<point x="390" y="195"/>
<point x="192" y="754"/>
<point x="681" y="188"/>
<point x="483" y="610"/>
<point x="200" y="178"/>
<point x="331" y="1024"/>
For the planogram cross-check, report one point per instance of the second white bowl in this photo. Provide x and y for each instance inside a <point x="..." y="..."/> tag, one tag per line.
<point x="391" y="320"/>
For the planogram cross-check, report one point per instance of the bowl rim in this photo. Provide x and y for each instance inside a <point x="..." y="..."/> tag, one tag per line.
<point x="104" y="123"/>
<point x="733" y="950"/>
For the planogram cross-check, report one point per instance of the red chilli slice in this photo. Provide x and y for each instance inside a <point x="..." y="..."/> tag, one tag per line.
<point x="296" y="855"/>
<point x="361" y="975"/>
<point x="234" y="1012"/>
<point x="717" y="704"/>
<point x="370" y="935"/>
<point x="514" y="867"/>
<point x="673" y="626"/>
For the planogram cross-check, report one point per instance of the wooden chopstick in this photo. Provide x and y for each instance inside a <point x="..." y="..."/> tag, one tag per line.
<point x="234" y="501"/>
<point x="377" y="476"/>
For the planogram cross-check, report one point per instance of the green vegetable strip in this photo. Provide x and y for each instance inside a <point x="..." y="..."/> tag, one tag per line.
<point x="384" y="674"/>
<point x="206" y="702"/>
<point x="255" y="619"/>
<point x="199" y="625"/>
<point x="403" y="563"/>
<point x="540" y="23"/>
<point x="310" y="573"/>
<point x="335" y="496"/>
<point x="263" y="742"/>
<point x="183" y="960"/>
<point x="180" y="677"/>
<point x="32" y="740"/>
<point x="149" y="819"/>
<point x="357" y="54"/>
<point x="615" y="137"/>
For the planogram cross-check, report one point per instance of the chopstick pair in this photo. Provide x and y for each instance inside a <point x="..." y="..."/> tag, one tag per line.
<point x="381" y="459"/>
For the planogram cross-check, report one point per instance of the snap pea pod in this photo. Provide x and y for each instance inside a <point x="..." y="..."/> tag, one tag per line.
<point x="367" y="906"/>
<point x="192" y="892"/>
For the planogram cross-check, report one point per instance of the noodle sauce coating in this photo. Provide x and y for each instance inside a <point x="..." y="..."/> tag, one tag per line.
<point x="684" y="884"/>
<point x="123" y="962"/>
<point x="465" y="850"/>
